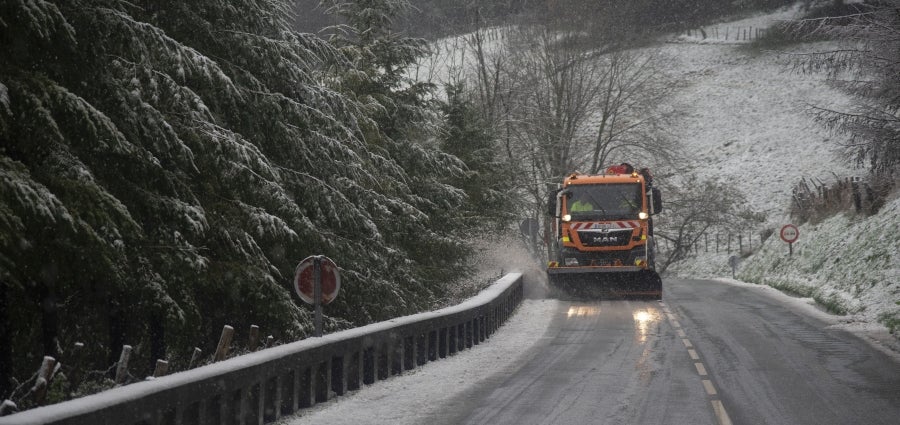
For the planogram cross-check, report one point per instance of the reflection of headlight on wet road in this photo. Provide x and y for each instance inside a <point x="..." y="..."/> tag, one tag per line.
<point x="642" y="316"/>
<point x="643" y="319"/>
<point x="583" y="310"/>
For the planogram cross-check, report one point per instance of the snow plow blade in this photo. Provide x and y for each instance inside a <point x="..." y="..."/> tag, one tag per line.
<point x="606" y="282"/>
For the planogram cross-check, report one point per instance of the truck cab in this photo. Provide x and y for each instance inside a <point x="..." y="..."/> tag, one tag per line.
<point x="602" y="226"/>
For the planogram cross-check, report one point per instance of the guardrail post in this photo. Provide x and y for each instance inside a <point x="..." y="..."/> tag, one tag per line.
<point x="225" y="408"/>
<point x="175" y="415"/>
<point x="339" y="374"/>
<point x="495" y="319"/>
<point x="384" y="361"/>
<point x="241" y="413"/>
<point x="453" y="335"/>
<point x="295" y="391"/>
<point x="369" y="366"/>
<point x="251" y="410"/>
<point x="409" y="353"/>
<point x="355" y="370"/>
<point x="422" y="348"/>
<point x="272" y="406"/>
<point x="443" y="342"/>
<point x="323" y="380"/>
<point x="476" y="331"/>
<point x="397" y="355"/>
<point x="307" y="388"/>
<point x="491" y="321"/>
<point x="202" y="407"/>
<point x="256" y="401"/>
<point x="482" y="328"/>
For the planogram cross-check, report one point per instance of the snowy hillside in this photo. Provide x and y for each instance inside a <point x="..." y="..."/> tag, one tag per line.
<point x="746" y="122"/>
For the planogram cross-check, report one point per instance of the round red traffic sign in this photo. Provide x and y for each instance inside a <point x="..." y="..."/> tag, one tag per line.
<point x="790" y="233"/>
<point x="304" y="279"/>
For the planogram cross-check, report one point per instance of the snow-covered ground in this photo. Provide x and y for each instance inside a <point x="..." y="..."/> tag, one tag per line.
<point x="745" y="122"/>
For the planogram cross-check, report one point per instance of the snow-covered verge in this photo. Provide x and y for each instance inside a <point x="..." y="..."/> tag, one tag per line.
<point x="849" y="264"/>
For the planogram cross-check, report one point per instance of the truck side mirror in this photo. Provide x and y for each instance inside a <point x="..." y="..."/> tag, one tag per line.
<point x="552" y="199"/>
<point x="657" y="201"/>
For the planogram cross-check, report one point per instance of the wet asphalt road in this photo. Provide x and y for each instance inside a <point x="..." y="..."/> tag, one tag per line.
<point x="709" y="353"/>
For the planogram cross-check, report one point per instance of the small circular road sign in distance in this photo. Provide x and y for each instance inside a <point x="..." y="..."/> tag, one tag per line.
<point x="790" y="233"/>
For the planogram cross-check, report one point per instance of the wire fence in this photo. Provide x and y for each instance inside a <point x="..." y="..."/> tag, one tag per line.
<point x="748" y="33"/>
<point x="741" y="243"/>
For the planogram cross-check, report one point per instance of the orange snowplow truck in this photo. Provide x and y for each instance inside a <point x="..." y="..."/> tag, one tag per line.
<point x="602" y="231"/>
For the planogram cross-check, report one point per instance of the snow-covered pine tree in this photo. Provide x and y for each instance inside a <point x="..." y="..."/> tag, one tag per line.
<point x="489" y="183"/>
<point x="164" y="166"/>
<point x="404" y="123"/>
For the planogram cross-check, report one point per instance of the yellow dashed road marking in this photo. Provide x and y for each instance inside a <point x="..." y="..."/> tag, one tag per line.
<point x="717" y="406"/>
<point x="700" y="369"/>
<point x="710" y="389"/>
<point x="721" y="414"/>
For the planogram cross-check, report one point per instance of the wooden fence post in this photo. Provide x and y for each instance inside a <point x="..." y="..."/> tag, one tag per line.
<point x="76" y="362"/>
<point x="194" y="357"/>
<point x="122" y="366"/>
<point x="224" y="343"/>
<point x="162" y="368"/>
<point x="254" y="338"/>
<point x="8" y="408"/>
<point x="44" y="375"/>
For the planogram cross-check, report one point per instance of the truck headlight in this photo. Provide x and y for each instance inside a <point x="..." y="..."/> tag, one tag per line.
<point x="643" y="216"/>
<point x="567" y="218"/>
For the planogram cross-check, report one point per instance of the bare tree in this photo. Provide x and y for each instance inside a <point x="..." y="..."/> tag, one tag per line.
<point x="557" y="86"/>
<point x="693" y="209"/>
<point x="628" y="121"/>
<point x="562" y="97"/>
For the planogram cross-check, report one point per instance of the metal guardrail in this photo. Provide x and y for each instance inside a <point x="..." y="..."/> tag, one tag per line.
<point x="262" y="387"/>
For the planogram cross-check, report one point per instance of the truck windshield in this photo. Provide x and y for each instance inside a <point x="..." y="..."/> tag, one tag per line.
<point x="604" y="201"/>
